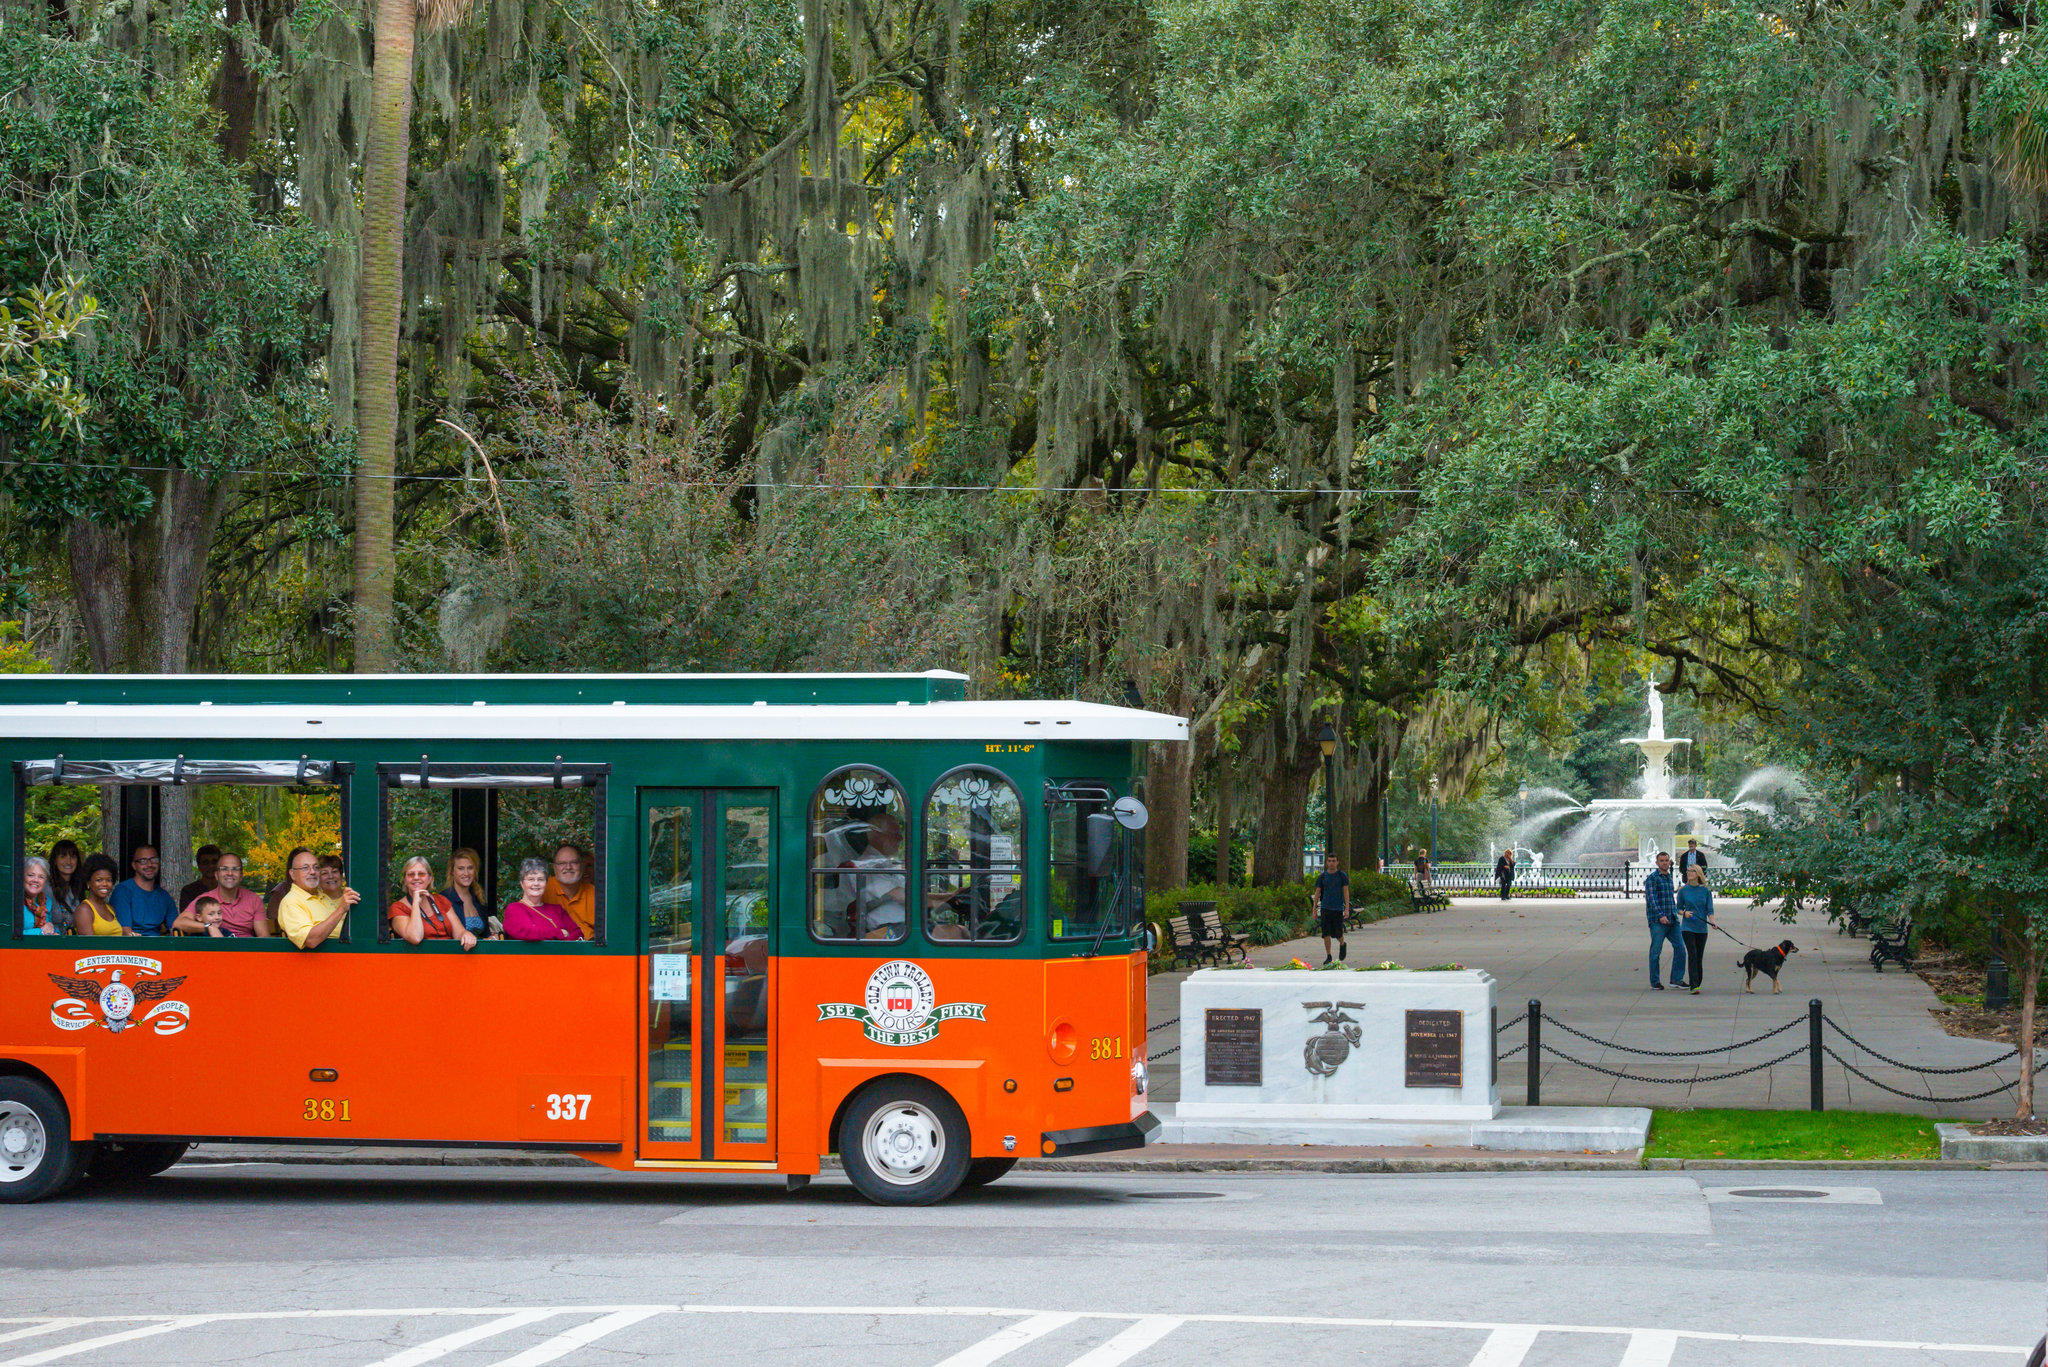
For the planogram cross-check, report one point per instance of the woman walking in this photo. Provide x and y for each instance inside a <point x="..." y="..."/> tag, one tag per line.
<point x="1696" y="903"/>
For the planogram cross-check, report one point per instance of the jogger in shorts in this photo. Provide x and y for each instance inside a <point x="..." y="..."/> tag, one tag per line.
<point x="1333" y="901"/>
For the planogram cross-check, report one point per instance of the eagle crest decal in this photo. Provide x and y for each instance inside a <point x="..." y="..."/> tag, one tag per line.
<point x="113" y="1003"/>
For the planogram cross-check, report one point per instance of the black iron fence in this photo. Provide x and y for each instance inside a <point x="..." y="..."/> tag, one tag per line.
<point x="1816" y="1048"/>
<point x="1575" y="880"/>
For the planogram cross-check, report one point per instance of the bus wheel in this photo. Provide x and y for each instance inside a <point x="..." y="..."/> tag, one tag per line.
<point x="133" y="1162"/>
<point x="983" y="1171"/>
<point x="37" y="1157"/>
<point x="904" y="1143"/>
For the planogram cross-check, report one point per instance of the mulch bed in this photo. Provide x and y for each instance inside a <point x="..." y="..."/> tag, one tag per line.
<point x="1948" y="975"/>
<point x="2008" y="1128"/>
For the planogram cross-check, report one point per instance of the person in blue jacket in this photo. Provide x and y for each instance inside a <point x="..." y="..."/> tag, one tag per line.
<point x="1662" y="908"/>
<point x="1696" y="906"/>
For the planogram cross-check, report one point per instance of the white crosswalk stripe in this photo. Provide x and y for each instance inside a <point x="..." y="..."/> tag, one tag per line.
<point x="462" y="1338"/>
<point x="1130" y="1342"/>
<point x="1007" y="1340"/>
<point x="66" y="1350"/>
<point x="1506" y="1346"/>
<point x="567" y="1342"/>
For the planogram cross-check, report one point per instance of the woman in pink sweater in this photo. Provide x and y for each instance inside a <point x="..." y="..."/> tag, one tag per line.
<point x="530" y="918"/>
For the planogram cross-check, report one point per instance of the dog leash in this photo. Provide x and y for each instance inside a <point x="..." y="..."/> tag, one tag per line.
<point x="1744" y="944"/>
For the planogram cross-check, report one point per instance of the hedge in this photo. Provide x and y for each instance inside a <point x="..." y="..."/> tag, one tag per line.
<point x="1270" y="915"/>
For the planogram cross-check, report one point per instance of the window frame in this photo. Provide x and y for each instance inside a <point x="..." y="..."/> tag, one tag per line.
<point x="461" y="775"/>
<point x="811" y="872"/>
<point x="1019" y="864"/>
<point x="1127" y="882"/>
<point x="340" y="778"/>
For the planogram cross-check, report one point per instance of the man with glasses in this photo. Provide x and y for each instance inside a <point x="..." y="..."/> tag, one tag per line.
<point x="569" y="888"/>
<point x="307" y="916"/>
<point x="139" y="904"/>
<point x="241" y="910"/>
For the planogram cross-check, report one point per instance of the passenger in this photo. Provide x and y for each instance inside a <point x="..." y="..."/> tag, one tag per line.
<point x="206" y="860"/>
<point x="532" y="916"/>
<point x="880" y="901"/>
<point x="332" y="875"/>
<point x="67" y="877"/>
<point x="423" y="914"/>
<point x="241" y="910"/>
<point x="273" y="898"/>
<point x="145" y="908"/>
<point x="569" y="888"/>
<point x="95" y="913"/>
<point x="37" y="909"/>
<point x="308" y="916"/>
<point x="202" y="917"/>
<point x="464" y="893"/>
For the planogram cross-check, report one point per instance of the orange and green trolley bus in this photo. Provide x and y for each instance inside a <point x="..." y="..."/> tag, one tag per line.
<point x="816" y="914"/>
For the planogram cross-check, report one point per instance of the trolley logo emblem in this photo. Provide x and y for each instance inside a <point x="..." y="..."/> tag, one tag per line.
<point x="113" y="1003"/>
<point x="901" y="1008"/>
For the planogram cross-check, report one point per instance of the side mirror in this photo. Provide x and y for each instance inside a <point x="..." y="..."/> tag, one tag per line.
<point x="1130" y="813"/>
<point x="1101" y="843"/>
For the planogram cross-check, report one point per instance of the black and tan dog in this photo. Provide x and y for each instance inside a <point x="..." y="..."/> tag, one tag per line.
<point x="1767" y="961"/>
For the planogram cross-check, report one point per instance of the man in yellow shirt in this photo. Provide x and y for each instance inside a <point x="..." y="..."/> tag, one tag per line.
<point x="569" y="888"/>
<point x="308" y="917"/>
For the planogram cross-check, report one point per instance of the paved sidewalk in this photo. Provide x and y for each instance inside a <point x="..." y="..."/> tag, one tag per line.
<point x="1585" y="959"/>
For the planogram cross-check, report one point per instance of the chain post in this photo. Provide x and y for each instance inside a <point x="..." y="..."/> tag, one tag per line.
<point x="1535" y="1062"/>
<point x="1813" y="1054"/>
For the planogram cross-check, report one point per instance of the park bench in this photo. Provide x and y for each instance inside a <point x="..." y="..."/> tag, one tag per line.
<point x="1895" y="944"/>
<point x="1423" y="897"/>
<point x="1853" y="921"/>
<point x="1184" y="938"/>
<point x="1207" y="935"/>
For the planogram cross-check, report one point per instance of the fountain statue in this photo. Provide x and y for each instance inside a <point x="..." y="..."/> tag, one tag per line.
<point x="1656" y="748"/>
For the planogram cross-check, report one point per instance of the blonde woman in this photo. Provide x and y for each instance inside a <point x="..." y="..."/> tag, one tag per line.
<point x="423" y="914"/>
<point x="1696" y="905"/>
<point x="464" y="893"/>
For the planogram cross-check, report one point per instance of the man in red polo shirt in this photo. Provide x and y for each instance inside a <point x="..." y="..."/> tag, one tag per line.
<point x="241" y="911"/>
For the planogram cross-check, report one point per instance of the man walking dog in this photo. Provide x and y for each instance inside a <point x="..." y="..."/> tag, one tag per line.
<point x="1660" y="903"/>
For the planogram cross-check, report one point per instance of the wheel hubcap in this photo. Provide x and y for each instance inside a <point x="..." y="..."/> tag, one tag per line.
<point x="905" y="1142"/>
<point x="22" y="1143"/>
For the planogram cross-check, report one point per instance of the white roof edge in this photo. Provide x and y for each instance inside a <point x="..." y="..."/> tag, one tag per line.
<point x="300" y="725"/>
<point x="563" y="678"/>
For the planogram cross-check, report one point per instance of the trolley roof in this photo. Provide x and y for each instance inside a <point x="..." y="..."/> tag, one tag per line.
<point x="481" y="719"/>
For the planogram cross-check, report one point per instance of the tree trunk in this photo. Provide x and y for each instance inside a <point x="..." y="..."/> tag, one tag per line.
<point x="137" y="584"/>
<point x="2029" y="991"/>
<point x="1224" y="817"/>
<point x="1168" y="779"/>
<point x="1283" y="820"/>
<point x="384" y="165"/>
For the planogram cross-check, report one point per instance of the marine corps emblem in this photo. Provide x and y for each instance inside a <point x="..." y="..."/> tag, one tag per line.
<point x="1325" y="1053"/>
<point x="113" y="1003"/>
<point x="901" y="1007"/>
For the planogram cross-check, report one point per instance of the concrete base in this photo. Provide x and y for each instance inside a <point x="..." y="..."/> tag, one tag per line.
<point x="1958" y="1144"/>
<point x="1550" y="1129"/>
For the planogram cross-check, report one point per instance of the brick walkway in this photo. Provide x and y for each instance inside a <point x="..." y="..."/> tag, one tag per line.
<point x="1585" y="960"/>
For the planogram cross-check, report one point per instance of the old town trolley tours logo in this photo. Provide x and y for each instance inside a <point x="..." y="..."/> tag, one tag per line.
<point x="112" y="1002"/>
<point x="901" y="1007"/>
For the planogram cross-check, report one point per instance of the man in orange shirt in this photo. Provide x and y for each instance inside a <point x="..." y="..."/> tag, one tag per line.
<point x="570" y="888"/>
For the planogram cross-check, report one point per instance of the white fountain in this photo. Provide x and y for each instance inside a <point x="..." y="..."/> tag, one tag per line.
<point x="1660" y="821"/>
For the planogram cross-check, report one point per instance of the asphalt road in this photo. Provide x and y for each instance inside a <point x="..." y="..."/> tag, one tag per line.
<point x="477" y="1267"/>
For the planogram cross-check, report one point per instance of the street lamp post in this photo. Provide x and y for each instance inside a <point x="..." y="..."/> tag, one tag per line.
<point x="1432" y="820"/>
<point x="1327" y="738"/>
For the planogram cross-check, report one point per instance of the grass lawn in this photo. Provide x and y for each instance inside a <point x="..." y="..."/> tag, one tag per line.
<point x="1820" y="1136"/>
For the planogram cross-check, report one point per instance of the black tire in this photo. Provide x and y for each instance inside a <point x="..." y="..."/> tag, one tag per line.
<point x="983" y="1171"/>
<point x="133" y="1162"/>
<point x="903" y="1142"/>
<point x="37" y="1157"/>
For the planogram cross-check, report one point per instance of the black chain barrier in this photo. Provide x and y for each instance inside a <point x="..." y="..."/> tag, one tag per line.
<point x="1502" y="1030"/>
<point x="1916" y="1096"/>
<point x="1510" y="1053"/>
<point x="1165" y="1053"/>
<point x="1914" y="1067"/>
<point x="1555" y="1052"/>
<point x="1675" y="1053"/>
<point x="1162" y="1025"/>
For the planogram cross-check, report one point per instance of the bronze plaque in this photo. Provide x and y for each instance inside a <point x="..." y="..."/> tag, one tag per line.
<point x="1436" y="1048"/>
<point x="1234" y="1046"/>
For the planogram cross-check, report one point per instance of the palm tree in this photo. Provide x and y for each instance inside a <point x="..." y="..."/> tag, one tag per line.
<point x="385" y="159"/>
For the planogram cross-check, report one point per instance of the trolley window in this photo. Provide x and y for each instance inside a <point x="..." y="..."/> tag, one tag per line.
<point x="974" y="858"/>
<point x="1095" y="891"/>
<point x="480" y="827"/>
<point x="209" y="837"/>
<point x="858" y="879"/>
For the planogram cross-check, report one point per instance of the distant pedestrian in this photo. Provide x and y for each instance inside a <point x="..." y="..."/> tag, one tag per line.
<point x="1504" y="872"/>
<point x="1696" y="901"/>
<point x="1693" y="858"/>
<point x="1661" y="905"/>
<point x="1333" y="903"/>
